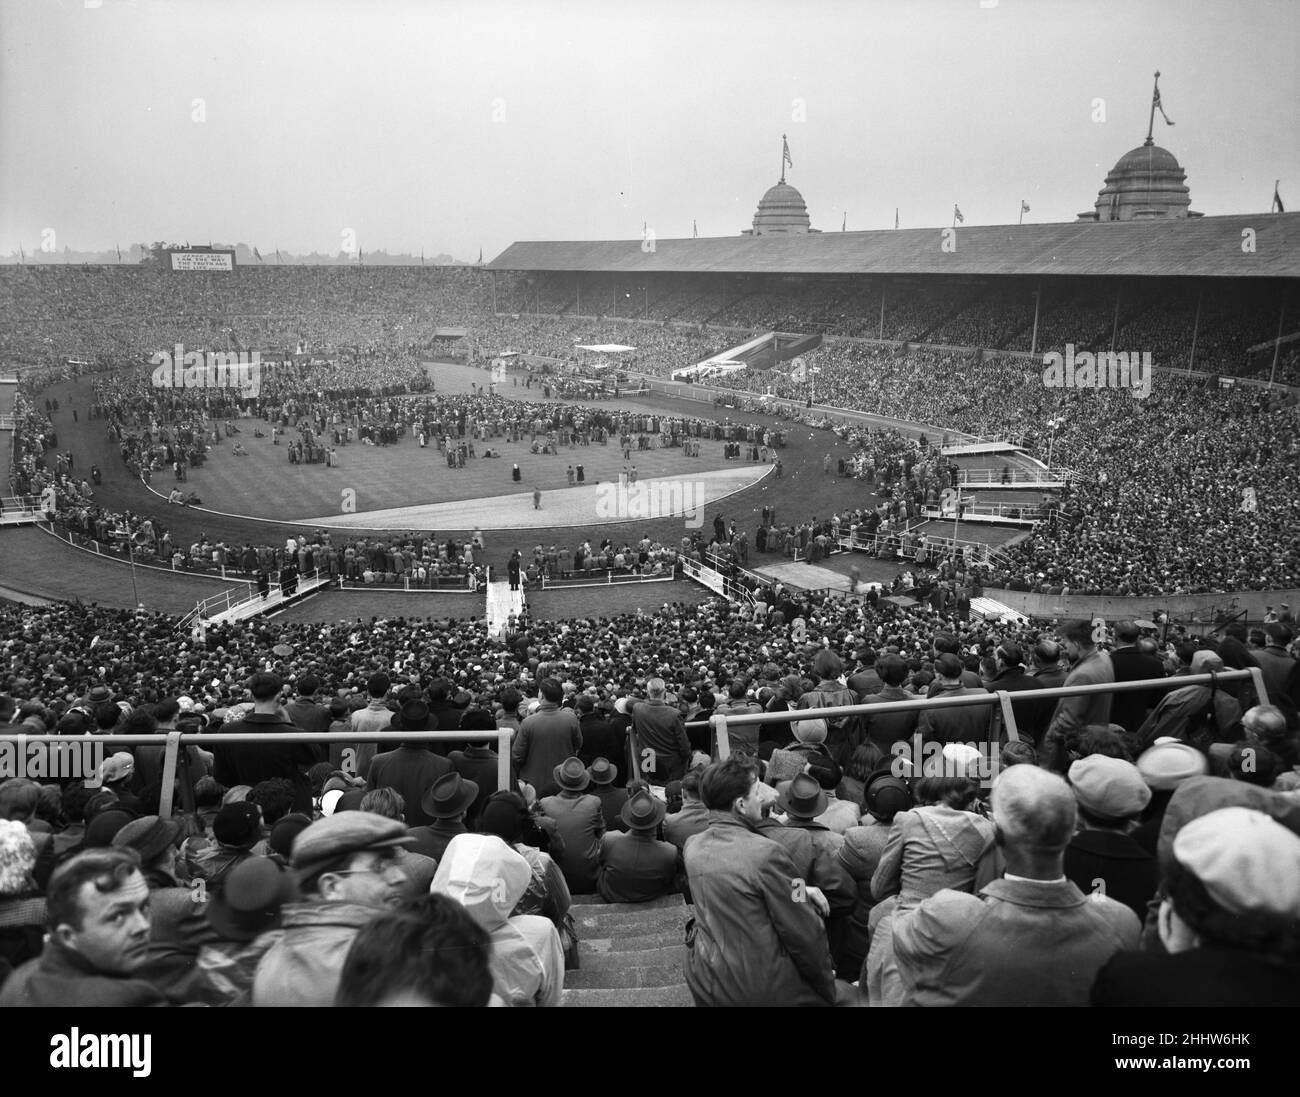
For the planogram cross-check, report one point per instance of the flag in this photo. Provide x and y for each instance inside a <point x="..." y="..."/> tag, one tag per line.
<point x="258" y="254"/>
<point x="22" y="255"/>
<point x="360" y="256"/>
<point x="1277" y="200"/>
<point x="695" y="228"/>
<point x="1024" y="206"/>
<point x="480" y="256"/>
<point x="895" y="217"/>
<point x="277" y="256"/>
<point x="422" y="257"/>
<point x="957" y="214"/>
<point x="845" y="223"/>
<point x="785" y="152"/>
<point x="1155" y="101"/>
<point x="119" y="253"/>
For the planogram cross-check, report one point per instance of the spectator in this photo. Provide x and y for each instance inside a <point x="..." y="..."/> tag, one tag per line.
<point x="546" y="738"/>
<point x="580" y="821"/>
<point x="411" y="769"/>
<point x="636" y="867"/>
<point x="1031" y="939"/>
<point x="346" y="868"/>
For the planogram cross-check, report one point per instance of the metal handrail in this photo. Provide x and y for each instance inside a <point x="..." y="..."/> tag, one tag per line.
<point x="174" y="740"/>
<point x="1005" y="698"/>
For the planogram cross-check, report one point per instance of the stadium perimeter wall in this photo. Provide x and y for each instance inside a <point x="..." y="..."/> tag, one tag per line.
<point x="1180" y="607"/>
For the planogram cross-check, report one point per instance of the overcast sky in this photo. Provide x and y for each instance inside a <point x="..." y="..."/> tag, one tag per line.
<point x="450" y="126"/>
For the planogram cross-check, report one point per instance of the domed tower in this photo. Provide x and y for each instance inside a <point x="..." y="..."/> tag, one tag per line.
<point x="1146" y="184"/>
<point x="782" y="210"/>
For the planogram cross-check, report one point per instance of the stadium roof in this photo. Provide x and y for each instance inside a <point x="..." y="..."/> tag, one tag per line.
<point x="1201" y="247"/>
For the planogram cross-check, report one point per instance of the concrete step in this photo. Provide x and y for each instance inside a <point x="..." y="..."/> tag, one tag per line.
<point x="629" y="925"/>
<point x="673" y="938"/>
<point x="582" y="997"/>
<point x="665" y="902"/>
<point x="625" y="978"/>
<point x="663" y="956"/>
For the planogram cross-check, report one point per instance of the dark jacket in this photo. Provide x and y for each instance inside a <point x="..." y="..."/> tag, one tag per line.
<point x="251" y="763"/>
<point x="1131" y="665"/>
<point x="750" y="944"/>
<point x="602" y="739"/>
<point x="432" y="840"/>
<point x="965" y="724"/>
<point x="62" y="978"/>
<point x="660" y="728"/>
<point x="410" y="771"/>
<point x="480" y="765"/>
<point x="1210" y="976"/>
<point x="1031" y="719"/>
<point x="546" y="738"/>
<point x="886" y="728"/>
<point x="635" y="868"/>
<point x="1126" y="871"/>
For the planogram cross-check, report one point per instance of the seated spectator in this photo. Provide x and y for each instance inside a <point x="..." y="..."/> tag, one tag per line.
<point x="1031" y="939"/>
<point x="580" y="819"/>
<point x="236" y="836"/>
<point x="693" y="817"/>
<point x="243" y="916"/>
<point x="430" y="952"/>
<point x="636" y="867"/>
<point x="347" y="871"/>
<point x="446" y="803"/>
<point x="418" y="868"/>
<point x="488" y="879"/>
<point x="603" y="774"/>
<point x="97" y="912"/>
<point x="940" y="844"/>
<point x="884" y="797"/>
<point x="22" y="906"/>
<point x="1102" y="858"/>
<point x="1227" y="921"/>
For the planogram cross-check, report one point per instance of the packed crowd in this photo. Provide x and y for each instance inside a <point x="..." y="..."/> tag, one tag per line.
<point x="841" y="860"/>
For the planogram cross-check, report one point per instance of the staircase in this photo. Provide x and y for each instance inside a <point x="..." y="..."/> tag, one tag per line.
<point x="631" y="954"/>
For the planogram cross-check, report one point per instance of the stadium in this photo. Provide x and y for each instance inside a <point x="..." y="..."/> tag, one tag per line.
<point x="621" y="578"/>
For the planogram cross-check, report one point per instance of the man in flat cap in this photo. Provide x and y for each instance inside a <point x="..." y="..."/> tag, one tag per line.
<point x="1227" y="922"/>
<point x="347" y="870"/>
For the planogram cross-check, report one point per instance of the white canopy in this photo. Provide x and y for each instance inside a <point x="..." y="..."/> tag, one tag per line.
<point x="605" y="348"/>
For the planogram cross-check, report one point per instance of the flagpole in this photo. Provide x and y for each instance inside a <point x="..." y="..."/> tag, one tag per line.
<point x="1022" y="211"/>
<point x="1151" y="123"/>
<point x="783" y="142"/>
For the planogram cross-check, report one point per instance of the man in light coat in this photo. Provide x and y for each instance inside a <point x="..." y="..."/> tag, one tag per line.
<point x="347" y="868"/>
<point x="758" y="937"/>
<point x="1029" y="939"/>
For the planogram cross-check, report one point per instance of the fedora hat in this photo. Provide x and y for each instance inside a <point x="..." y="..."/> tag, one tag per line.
<point x="571" y="775"/>
<point x="450" y="795"/>
<point x="602" y="772"/>
<point x="415" y="716"/>
<point x="801" y="797"/>
<point x="643" y="811"/>
<point x="249" y="902"/>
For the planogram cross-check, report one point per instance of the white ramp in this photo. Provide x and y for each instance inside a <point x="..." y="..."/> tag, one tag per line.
<point x="502" y="604"/>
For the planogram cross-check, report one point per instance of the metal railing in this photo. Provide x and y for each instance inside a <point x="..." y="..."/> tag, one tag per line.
<point x="176" y="763"/>
<point x="234" y="599"/>
<point x="1013" y="477"/>
<point x="1005" y="701"/>
<point x="611" y="578"/>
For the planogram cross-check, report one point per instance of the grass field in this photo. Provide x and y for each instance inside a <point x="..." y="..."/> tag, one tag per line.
<point x="403" y="474"/>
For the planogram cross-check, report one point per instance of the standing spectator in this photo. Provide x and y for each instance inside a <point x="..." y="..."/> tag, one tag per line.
<point x="546" y="738"/>
<point x="600" y="738"/>
<point x="412" y="768"/>
<point x="477" y="762"/>
<point x="1089" y="666"/>
<point x="660" y="736"/>
<point x="1132" y="664"/>
<point x="1031" y="939"/>
<point x="376" y="716"/>
<point x="306" y="713"/>
<point x="954" y="723"/>
<point x="251" y="763"/>
<point x="1275" y="663"/>
<point x="882" y="730"/>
